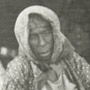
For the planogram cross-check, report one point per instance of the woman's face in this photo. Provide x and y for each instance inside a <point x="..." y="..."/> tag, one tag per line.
<point x="41" y="42"/>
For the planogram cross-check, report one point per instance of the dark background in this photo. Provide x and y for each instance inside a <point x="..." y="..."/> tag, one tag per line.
<point x="73" y="14"/>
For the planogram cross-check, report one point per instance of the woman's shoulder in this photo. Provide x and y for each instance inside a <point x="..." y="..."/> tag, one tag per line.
<point x="18" y="74"/>
<point x="19" y="64"/>
<point x="18" y="60"/>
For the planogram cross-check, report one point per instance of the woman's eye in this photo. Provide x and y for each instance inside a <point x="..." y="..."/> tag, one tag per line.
<point x="47" y="32"/>
<point x="33" y="36"/>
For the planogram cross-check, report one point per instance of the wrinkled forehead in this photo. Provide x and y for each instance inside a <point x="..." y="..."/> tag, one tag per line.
<point x="38" y="23"/>
<point x="42" y="29"/>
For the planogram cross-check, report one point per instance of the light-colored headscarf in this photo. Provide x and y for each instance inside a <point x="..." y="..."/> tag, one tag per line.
<point x="22" y="31"/>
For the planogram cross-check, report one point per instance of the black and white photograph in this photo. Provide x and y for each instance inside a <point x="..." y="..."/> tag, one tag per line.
<point x="44" y="45"/>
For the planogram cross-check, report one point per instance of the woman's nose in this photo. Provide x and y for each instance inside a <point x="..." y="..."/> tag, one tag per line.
<point x="42" y="41"/>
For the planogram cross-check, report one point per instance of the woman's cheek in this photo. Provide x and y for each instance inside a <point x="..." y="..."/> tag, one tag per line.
<point x="34" y="42"/>
<point x="48" y="38"/>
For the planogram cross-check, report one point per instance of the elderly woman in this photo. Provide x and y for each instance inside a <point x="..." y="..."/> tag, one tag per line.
<point x="46" y="59"/>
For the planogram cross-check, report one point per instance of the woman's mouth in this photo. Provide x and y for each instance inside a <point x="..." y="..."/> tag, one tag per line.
<point x="45" y="53"/>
